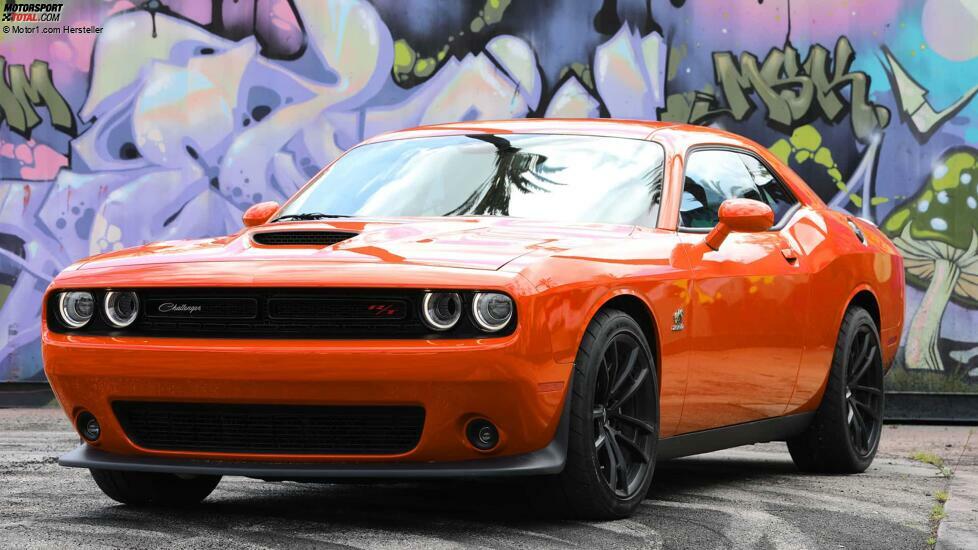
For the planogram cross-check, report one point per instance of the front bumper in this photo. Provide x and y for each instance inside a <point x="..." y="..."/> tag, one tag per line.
<point x="510" y="381"/>
<point x="546" y="461"/>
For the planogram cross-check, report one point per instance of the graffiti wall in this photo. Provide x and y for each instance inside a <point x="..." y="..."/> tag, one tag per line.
<point x="125" y="122"/>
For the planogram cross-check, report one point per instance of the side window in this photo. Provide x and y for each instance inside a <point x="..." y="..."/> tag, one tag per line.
<point x="713" y="176"/>
<point x="772" y="191"/>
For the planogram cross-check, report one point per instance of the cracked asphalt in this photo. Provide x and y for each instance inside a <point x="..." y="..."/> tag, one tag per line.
<point x="749" y="497"/>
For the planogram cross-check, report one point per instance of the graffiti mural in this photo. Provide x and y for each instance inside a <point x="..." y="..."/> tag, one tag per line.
<point x="126" y="122"/>
<point x="793" y="91"/>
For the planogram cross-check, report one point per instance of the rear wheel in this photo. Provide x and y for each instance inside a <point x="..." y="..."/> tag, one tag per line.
<point x="154" y="489"/>
<point x="614" y="421"/>
<point x="845" y="433"/>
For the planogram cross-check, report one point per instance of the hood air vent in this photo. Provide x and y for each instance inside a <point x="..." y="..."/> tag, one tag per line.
<point x="301" y="238"/>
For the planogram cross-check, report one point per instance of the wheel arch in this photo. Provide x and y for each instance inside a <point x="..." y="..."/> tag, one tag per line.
<point x="864" y="297"/>
<point x="635" y="307"/>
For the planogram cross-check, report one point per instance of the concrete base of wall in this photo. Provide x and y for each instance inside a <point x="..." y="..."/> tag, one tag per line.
<point x="932" y="408"/>
<point x="25" y="394"/>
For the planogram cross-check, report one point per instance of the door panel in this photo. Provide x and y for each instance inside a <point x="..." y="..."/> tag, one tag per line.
<point x="747" y="321"/>
<point x="748" y="299"/>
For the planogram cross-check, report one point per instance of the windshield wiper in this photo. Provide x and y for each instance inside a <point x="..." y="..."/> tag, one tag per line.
<point x="309" y="216"/>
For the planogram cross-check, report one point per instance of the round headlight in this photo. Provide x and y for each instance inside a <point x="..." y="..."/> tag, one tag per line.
<point x="491" y="310"/>
<point x="76" y="308"/>
<point x="441" y="310"/>
<point x="121" y="308"/>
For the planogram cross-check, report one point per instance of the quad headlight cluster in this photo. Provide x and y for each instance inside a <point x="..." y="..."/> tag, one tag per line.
<point x="490" y="311"/>
<point x="77" y="307"/>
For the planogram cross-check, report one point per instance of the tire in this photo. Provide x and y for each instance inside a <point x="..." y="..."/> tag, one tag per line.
<point x="628" y="422"/>
<point x="845" y="432"/>
<point x="153" y="489"/>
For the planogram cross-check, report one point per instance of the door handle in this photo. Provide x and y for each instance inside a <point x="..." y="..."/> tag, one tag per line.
<point x="789" y="254"/>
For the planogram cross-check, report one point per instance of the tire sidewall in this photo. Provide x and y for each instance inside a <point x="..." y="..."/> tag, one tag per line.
<point x="857" y="318"/>
<point x="617" y="324"/>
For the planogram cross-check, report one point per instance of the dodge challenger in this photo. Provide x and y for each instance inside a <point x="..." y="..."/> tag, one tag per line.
<point x="567" y="300"/>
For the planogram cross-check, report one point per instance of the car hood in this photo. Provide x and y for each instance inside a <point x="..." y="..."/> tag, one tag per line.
<point x="485" y="243"/>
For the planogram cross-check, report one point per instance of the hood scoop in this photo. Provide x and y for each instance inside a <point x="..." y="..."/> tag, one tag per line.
<point x="301" y="238"/>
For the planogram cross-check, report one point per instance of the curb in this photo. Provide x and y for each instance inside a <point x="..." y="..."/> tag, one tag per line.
<point x="25" y="394"/>
<point x="959" y="530"/>
<point x="930" y="408"/>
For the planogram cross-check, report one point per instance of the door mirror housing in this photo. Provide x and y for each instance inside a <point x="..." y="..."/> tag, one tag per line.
<point x="742" y="216"/>
<point x="260" y="213"/>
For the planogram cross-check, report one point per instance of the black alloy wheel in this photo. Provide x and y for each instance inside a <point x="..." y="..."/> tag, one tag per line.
<point x="624" y="427"/>
<point x="864" y="393"/>
<point x="845" y="431"/>
<point x="612" y="421"/>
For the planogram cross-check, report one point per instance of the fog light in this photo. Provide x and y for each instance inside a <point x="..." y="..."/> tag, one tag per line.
<point x="482" y="434"/>
<point x="88" y="426"/>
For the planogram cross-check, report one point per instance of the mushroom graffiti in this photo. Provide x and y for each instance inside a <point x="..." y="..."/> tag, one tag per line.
<point x="937" y="232"/>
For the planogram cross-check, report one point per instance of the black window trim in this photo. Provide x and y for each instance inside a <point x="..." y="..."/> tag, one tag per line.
<point x="788" y="215"/>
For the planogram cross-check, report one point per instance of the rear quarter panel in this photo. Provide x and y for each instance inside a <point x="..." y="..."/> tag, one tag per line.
<point x="841" y="267"/>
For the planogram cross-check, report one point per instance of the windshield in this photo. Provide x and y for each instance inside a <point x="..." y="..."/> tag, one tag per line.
<point x="569" y="178"/>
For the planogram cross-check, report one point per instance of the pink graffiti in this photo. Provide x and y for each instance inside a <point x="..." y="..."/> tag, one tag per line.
<point x="76" y="50"/>
<point x="38" y="161"/>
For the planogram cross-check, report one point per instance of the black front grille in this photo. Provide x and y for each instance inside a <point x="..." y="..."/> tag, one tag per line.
<point x="282" y="313"/>
<point x="338" y="309"/>
<point x="301" y="238"/>
<point x="282" y="429"/>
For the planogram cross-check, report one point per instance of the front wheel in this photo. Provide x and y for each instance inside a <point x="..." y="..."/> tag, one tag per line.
<point x="845" y="432"/>
<point x="614" y="420"/>
<point x="153" y="489"/>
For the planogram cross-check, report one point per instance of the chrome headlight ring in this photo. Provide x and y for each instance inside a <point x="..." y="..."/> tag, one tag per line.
<point x="121" y="308"/>
<point x="492" y="311"/>
<point x="76" y="308"/>
<point x="441" y="310"/>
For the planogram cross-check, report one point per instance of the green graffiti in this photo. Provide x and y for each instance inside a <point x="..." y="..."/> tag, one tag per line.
<point x="411" y="68"/>
<point x="805" y="145"/>
<point x="19" y="95"/>
<point x="793" y="91"/>
<point x="583" y="72"/>
<point x="676" y="56"/>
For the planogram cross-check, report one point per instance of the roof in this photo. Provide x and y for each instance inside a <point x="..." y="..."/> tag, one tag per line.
<point x="689" y="134"/>
<point x="636" y="129"/>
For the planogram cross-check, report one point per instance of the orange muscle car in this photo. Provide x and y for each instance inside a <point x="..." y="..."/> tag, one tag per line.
<point x="566" y="299"/>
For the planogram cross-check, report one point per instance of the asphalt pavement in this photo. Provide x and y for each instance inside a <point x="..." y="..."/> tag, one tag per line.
<point x="749" y="497"/>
